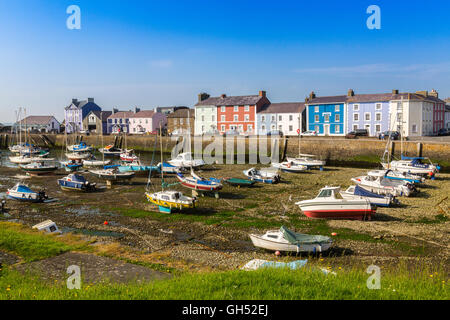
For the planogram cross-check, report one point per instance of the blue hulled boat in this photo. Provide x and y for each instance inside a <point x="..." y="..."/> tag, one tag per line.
<point x="76" y="182"/>
<point x="22" y="192"/>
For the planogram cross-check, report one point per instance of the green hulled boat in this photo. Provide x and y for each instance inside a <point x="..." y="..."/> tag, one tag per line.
<point x="239" y="182"/>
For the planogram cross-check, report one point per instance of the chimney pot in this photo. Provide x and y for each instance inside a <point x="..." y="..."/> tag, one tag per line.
<point x="223" y="96"/>
<point x="312" y="95"/>
<point x="262" y="94"/>
<point x="350" y="93"/>
<point x="203" y="96"/>
<point x="395" y="91"/>
<point x="90" y="99"/>
<point x="74" y="100"/>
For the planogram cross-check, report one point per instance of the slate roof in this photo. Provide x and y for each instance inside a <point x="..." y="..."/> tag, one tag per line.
<point x="37" y="120"/>
<point x="284" y="107"/>
<point x="102" y="115"/>
<point x="182" y="113"/>
<point x="376" y="97"/>
<point x="328" y="100"/>
<point x="231" y="101"/>
<point x="144" y="114"/>
<point x="121" y="115"/>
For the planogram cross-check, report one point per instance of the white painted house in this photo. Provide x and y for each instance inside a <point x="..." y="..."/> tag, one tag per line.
<point x="284" y="117"/>
<point x="47" y="124"/>
<point x="146" y="121"/>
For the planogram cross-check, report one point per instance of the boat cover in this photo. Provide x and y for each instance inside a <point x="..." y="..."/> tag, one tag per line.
<point x="24" y="189"/>
<point x="299" y="239"/>
<point x="364" y="193"/>
<point x="77" y="178"/>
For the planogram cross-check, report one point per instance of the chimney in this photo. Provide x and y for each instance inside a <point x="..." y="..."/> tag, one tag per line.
<point x="90" y="99"/>
<point x="74" y="101"/>
<point x="351" y="93"/>
<point x="262" y="94"/>
<point x="312" y="95"/>
<point x="434" y="93"/>
<point x="136" y="109"/>
<point x="223" y="96"/>
<point x="422" y="93"/>
<point x="115" y="110"/>
<point x="203" y="96"/>
<point x="395" y="91"/>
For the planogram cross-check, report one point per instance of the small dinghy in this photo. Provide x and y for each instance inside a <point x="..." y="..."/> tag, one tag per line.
<point x="38" y="168"/>
<point x="78" y="156"/>
<point x="138" y="168"/>
<point x="239" y="182"/>
<point x="264" y="176"/>
<point x="80" y="147"/>
<point x="22" y="192"/>
<point x="290" y="166"/>
<point x="48" y="226"/>
<point x="27" y="159"/>
<point x="93" y="162"/>
<point x="356" y="192"/>
<point x="184" y="160"/>
<point x="308" y="160"/>
<point x="171" y="200"/>
<point x="414" y="165"/>
<point x="129" y="156"/>
<point x="397" y="175"/>
<point x="168" y="168"/>
<point x="286" y="240"/>
<point x="379" y="184"/>
<point x="76" y="182"/>
<point x="329" y="204"/>
<point x="111" y="151"/>
<point x="72" y="165"/>
<point x="112" y="174"/>
<point x="195" y="182"/>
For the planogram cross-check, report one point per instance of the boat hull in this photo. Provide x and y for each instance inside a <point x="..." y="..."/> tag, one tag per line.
<point x="260" y="242"/>
<point x="355" y="214"/>
<point x="168" y="204"/>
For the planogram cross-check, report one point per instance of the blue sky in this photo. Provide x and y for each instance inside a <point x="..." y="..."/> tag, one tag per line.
<point x="159" y="53"/>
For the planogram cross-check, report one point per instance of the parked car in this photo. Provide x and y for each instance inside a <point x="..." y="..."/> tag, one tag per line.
<point x="357" y="133"/>
<point x="444" y="132"/>
<point x="395" y="135"/>
<point x="231" y="133"/>
<point x="309" y="133"/>
<point x="275" y="133"/>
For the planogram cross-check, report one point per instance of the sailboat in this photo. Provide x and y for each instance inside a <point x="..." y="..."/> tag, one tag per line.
<point x="169" y="200"/>
<point x="307" y="160"/>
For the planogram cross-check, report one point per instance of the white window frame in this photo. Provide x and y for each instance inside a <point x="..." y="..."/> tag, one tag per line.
<point x="246" y="118"/>
<point x="414" y="128"/>
<point x="325" y="115"/>
<point x="337" y="108"/>
<point x="337" y="118"/>
<point x="291" y="117"/>
<point x="357" y="117"/>
<point x="316" y="118"/>
<point x="376" y="115"/>
<point x="249" y="128"/>
<point x="280" y="117"/>
<point x="222" y="128"/>
<point x="378" y="106"/>
<point x="247" y="108"/>
<point x="223" y="109"/>
<point x="263" y="118"/>
<point x="222" y="118"/>
<point x="365" y="118"/>
<point x="236" y="108"/>
<point x="356" y="107"/>
<point x="376" y="128"/>
<point x="236" y="118"/>
<point x="338" y="127"/>
<point x="355" y="127"/>
<point x="316" y="109"/>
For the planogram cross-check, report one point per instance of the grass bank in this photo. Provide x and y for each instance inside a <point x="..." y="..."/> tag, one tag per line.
<point x="277" y="284"/>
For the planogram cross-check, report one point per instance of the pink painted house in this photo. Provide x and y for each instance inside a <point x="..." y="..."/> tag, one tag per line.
<point x="146" y="121"/>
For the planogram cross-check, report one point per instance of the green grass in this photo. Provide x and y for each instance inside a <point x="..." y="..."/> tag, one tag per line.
<point x="440" y="218"/>
<point x="301" y="284"/>
<point x="29" y="244"/>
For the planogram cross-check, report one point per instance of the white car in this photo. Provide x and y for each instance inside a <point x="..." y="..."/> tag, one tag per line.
<point x="309" y="133"/>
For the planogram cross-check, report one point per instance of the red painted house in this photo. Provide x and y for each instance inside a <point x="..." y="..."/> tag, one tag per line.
<point x="239" y="112"/>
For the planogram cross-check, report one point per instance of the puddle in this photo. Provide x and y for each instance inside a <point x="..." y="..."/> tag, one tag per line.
<point x="95" y="233"/>
<point x="84" y="211"/>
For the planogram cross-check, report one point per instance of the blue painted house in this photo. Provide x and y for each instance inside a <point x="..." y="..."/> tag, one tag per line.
<point x="369" y="111"/>
<point x="326" y="115"/>
<point x="76" y="112"/>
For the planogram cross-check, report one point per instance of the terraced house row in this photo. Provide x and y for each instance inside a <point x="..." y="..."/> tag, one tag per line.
<point x="415" y="114"/>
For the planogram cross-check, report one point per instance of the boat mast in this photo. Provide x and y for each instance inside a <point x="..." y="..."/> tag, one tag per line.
<point x="162" y="161"/>
<point x="300" y="134"/>
<point x="402" y="130"/>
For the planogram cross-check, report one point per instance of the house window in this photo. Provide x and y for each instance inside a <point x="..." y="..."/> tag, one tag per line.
<point x="273" y="118"/>
<point x="355" y="127"/>
<point x="274" y="127"/>
<point x="337" y="118"/>
<point x="367" y="127"/>
<point x="356" y="107"/>
<point x="337" y="108"/>
<point x="316" y="118"/>
<point x="263" y="118"/>
<point x="378" y="128"/>
<point x="181" y="121"/>
<point x="327" y="118"/>
<point x="378" y="116"/>
<point x="280" y="127"/>
<point x="203" y="118"/>
<point x="291" y="128"/>
<point x="337" y="129"/>
<point x="378" y="106"/>
<point x="414" y="128"/>
<point x="222" y="109"/>
<point x="291" y="117"/>
<point x="213" y="118"/>
<point x="222" y="128"/>
<point x="263" y="128"/>
<point x="316" y="109"/>
<point x="236" y="118"/>
<point x="247" y="118"/>
<point x="247" y="108"/>
<point x="236" y="108"/>
<point x="249" y="128"/>
<point x="367" y="116"/>
<point x="222" y="118"/>
<point x="280" y="118"/>
<point x="241" y="127"/>
<point x="317" y="129"/>
<point x="203" y="128"/>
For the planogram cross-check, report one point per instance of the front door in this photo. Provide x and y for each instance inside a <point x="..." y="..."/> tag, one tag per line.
<point x="326" y="128"/>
